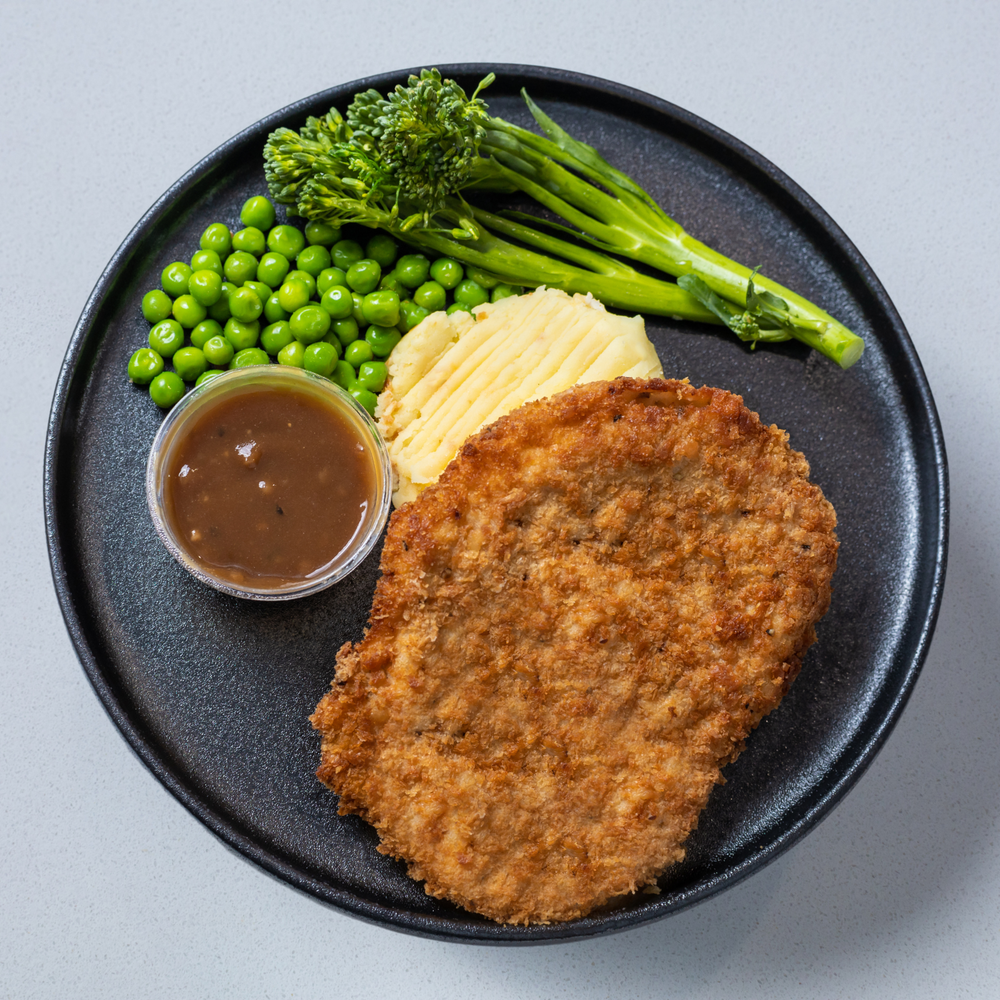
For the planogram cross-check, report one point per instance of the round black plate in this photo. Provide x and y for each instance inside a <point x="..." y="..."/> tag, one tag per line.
<point x="213" y="693"/>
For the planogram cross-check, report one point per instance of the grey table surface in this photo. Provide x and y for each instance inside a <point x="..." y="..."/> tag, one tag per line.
<point x="885" y="112"/>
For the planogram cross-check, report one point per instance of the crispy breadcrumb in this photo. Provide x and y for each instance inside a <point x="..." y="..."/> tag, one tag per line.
<point x="575" y="630"/>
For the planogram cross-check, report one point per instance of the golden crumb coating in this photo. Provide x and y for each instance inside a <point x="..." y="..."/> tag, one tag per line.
<point x="575" y="630"/>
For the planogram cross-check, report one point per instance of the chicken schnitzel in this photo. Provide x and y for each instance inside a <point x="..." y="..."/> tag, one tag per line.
<point x="575" y="629"/>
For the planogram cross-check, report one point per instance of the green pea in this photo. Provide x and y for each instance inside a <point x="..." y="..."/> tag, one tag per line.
<point x="208" y="376"/>
<point x="306" y="278"/>
<point x="410" y="314"/>
<point x="245" y="305"/>
<point x="358" y="353"/>
<point x="343" y="374"/>
<point x="357" y="312"/>
<point x="338" y="302"/>
<point x="205" y="287"/>
<point x="189" y="363"/>
<point x="292" y="354"/>
<point x="218" y="351"/>
<point x="471" y="293"/>
<point x="258" y="213"/>
<point x="220" y="311"/>
<point x="345" y="253"/>
<point x="293" y="295"/>
<point x="286" y="240"/>
<point x="166" y="389"/>
<point x="309" y="324"/>
<point x="320" y="358"/>
<point x="504" y="291"/>
<point x="272" y="269"/>
<point x="346" y="330"/>
<point x="447" y="272"/>
<point x="240" y="266"/>
<point x="250" y="240"/>
<point x="372" y="375"/>
<point x="483" y="278"/>
<point x="144" y="366"/>
<point x="249" y="357"/>
<point x="390" y="282"/>
<point x="411" y="271"/>
<point x="206" y="260"/>
<point x="381" y="307"/>
<point x="174" y="278"/>
<point x="276" y="336"/>
<point x="216" y="238"/>
<point x="188" y="311"/>
<point x="204" y="332"/>
<point x="263" y="291"/>
<point x="365" y="397"/>
<point x="382" y="339"/>
<point x="363" y="276"/>
<point x="383" y="249"/>
<point x="328" y="278"/>
<point x="156" y="305"/>
<point x="242" y="335"/>
<point x="431" y="295"/>
<point x="313" y="260"/>
<point x="166" y="337"/>
<point x="273" y="312"/>
<point x="456" y="307"/>
<point x="321" y="233"/>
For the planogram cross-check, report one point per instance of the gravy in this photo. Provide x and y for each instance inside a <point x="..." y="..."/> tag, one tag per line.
<point x="269" y="487"/>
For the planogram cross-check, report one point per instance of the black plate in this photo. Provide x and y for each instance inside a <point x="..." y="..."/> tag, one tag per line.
<point x="213" y="693"/>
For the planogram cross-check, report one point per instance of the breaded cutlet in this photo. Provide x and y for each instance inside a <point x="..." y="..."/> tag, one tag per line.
<point x="575" y="630"/>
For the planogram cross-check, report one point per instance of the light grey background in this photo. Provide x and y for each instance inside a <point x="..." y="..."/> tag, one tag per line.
<point x="886" y="113"/>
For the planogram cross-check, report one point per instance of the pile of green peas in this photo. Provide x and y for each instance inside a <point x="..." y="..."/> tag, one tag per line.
<point x="312" y="299"/>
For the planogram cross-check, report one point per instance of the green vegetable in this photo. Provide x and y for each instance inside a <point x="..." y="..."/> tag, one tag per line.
<point x="343" y="374"/>
<point x="293" y="294"/>
<point x="189" y="363"/>
<point x="431" y="295"/>
<point x="321" y="233"/>
<point x="358" y="352"/>
<point x="174" y="278"/>
<point x="470" y="293"/>
<point x="345" y="253"/>
<point x="206" y="376"/>
<point x="412" y="270"/>
<point x="320" y="358"/>
<point x="156" y="305"/>
<point x="242" y="335"/>
<point x="249" y="357"/>
<point x="328" y="278"/>
<point x="346" y="329"/>
<point x="383" y="249"/>
<point x="292" y="354"/>
<point x="309" y="324"/>
<point x="204" y="332"/>
<point x="272" y="269"/>
<point x="239" y="267"/>
<point x="372" y="375"/>
<point x="381" y="307"/>
<point x="251" y="240"/>
<point x="276" y="336"/>
<point x="286" y="240"/>
<point x="447" y="272"/>
<point x="220" y="311"/>
<point x="218" y="351"/>
<point x="273" y="310"/>
<point x="166" y="389"/>
<point x="216" y="237"/>
<point x="382" y="339"/>
<point x="410" y="314"/>
<point x="364" y="396"/>
<point x="338" y="302"/>
<point x="503" y="291"/>
<point x="144" y="366"/>
<point x="306" y="278"/>
<point x="364" y="275"/>
<point x="188" y="311"/>
<point x="313" y="260"/>
<point x="257" y="213"/>
<point x="245" y="305"/>
<point x="405" y="162"/>
<point x="206" y="260"/>
<point x="166" y="337"/>
<point x="205" y="287"/>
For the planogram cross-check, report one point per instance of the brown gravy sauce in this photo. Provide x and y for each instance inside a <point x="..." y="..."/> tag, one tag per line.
<point x="269" y="487"/>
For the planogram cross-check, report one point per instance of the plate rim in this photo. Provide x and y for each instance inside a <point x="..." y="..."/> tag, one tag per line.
<point x="917" y="397"/>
